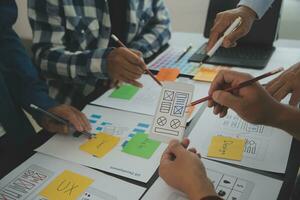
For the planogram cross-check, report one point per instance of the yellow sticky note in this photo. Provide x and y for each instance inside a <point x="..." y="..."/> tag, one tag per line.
<point x="207" y="74"/>
<point x="67" y="186"/>
<point x="226" y="148"/>
<point x="100" y="145"/>
<point x="168" y="74"/>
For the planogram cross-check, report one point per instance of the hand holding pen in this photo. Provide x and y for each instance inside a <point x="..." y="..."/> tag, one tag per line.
<point x="212" y="50"/>
<point x="64" y="119"/>
<point x="142" y="66"/>
<point x="244" y="95"/>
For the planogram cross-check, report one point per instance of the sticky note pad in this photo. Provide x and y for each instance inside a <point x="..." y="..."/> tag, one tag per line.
<point x="168" y="74"/>
<point x="226" y="148"/>
<point x="125" y="92"/>
<point x="67" y="186"/>
<point x="207" y="74"/>
<point x="100" y="145"/>
<point x="140" y="145"/>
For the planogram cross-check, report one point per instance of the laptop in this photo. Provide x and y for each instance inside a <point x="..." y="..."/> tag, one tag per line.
<point x="252" y="51"/>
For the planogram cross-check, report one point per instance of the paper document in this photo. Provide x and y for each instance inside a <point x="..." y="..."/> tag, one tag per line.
<point x="230" y="183"/>
<point x="143" y="102"/>
<point x="266" y="148"/>
<point x="109" y="151"/>
<point x="171" y="112"/>
<point x="44" y="177"/>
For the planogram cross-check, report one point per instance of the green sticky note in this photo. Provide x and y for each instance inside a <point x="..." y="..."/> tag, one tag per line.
<point x="140" y="145"/>
<point x="124" y="92"/>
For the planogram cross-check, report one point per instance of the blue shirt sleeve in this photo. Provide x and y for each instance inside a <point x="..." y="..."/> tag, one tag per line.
<point x="15" y="59"/>
<point x="259" y="6"/>
<point x="14" y="56"/>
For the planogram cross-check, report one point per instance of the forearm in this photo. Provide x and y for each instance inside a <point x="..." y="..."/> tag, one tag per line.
<point x="21" y="76"/>
<point x="288" y="119"/>
<point x="202" y="190"/>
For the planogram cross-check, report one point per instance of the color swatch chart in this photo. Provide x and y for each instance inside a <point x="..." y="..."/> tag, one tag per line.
<point x="168" y="60"/>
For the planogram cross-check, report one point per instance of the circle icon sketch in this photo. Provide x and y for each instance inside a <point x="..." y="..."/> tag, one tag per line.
<point x="161" y="121"/>
<point x="175" y="123"/>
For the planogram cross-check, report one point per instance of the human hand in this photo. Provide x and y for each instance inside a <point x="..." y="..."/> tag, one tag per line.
<point x="252" y="103"/>
<point x="287" y="82"/>
<point x="125" y="65"/>
<point x="224" y="20"/>
<point x="74" y="116"/>
<point x="183" y="170"/>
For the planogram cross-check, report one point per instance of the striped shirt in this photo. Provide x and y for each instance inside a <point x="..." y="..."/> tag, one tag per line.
<point x="70" y="40"/>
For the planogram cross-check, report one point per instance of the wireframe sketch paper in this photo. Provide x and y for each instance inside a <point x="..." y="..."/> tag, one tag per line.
<point x="230" y="183"/>
<point x="266" y="148"/>
<point x="45" y="177"/>
<point x="171" y="116"/>
<point x="145" y="100"/>
<point x="116" y="129"/>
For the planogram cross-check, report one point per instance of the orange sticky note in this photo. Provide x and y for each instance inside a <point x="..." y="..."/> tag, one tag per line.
<point x="168" y="74"/>
<point x="67" y="186"/>
<point x="207" y="74"/>
<point x="226" y="148"/>
<point x="100" y="145"/>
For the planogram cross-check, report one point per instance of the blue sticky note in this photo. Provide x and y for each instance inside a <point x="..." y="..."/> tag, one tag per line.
<point x="124" y="144"/>
<point x="96" y="116"/>
<point x="143" y="125"/>
<point x="138" y="130"/>
<point x="99" y="128"/>
<point x="131" y="135"/>
<point x="105" y="123"/>
<point x="92" y="121"/>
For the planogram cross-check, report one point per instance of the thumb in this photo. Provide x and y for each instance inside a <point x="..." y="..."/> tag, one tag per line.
<point x="226" y="99"/>
<point x="295" y="98"/>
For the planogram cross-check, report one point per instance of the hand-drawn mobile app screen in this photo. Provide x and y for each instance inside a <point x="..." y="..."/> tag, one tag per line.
<point x="171" y="116"/>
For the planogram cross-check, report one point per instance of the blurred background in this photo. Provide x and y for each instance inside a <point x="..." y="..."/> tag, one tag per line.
<point x="190" y="16"/>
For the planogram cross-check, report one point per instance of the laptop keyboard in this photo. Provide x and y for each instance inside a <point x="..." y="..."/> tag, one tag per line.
<point x="250" y="57"/>
<point x="248" y="53"/>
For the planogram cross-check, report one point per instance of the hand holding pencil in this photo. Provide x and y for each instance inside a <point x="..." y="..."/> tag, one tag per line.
<point x="245" y="96"/>
<point x="139" y="63"/>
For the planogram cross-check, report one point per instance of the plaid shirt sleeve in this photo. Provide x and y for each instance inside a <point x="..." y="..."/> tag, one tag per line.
<point x="50" y="52"/>
<point x="156" y="33"/>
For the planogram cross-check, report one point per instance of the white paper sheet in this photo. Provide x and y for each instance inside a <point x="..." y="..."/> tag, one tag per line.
<point x="119" y="123"/>
<point x="266" y="148"/>
<point x="233" y="183"/>
<point x="144" y="102"/>
<point x="171" y="114"/>
<point x="27" y="181"/>
<point x="146" y="99"/>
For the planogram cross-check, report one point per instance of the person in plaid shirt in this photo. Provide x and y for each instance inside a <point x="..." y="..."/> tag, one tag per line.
<point x="72" y="45"/>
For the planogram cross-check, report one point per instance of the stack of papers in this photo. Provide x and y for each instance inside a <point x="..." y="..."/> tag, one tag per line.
<point x="266" y="148"/>
<point x="230" y="183"/>
<point x="45" y="177"/>
<point x="121" y="147"/>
